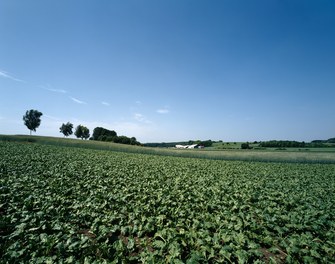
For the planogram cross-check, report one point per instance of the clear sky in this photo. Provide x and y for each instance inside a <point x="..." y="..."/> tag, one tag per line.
<point x="170" y="70"/>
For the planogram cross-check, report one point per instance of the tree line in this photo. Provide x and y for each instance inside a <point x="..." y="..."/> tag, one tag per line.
<point x="282" y="144"/>
<point x="103" y="134"/>
<point x="32" y="120"/>
<point x="330" y="140"/>
<point x="296" y="144"/>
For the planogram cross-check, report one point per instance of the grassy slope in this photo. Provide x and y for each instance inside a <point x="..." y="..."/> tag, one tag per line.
<point x="224" y="154"/>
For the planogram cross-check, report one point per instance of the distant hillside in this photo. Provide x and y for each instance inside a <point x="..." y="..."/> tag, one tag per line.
<point x="261" y="144"/>
<point x="296" y="144"/>
<point x="331" y="140"/>
<point x="206" y="143"/>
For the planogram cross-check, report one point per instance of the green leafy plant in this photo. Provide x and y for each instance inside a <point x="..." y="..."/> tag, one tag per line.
<point x="63" y="205"/>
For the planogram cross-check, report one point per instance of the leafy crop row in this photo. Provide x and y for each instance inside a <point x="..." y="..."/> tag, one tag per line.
<point x="67" y="205"/>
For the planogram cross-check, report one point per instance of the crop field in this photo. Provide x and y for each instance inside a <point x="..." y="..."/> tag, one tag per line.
<point x="76" y="205"/>
<point x="313" y="155"/>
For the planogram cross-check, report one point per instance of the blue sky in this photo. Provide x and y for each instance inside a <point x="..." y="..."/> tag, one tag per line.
<point x="171" y="70"/>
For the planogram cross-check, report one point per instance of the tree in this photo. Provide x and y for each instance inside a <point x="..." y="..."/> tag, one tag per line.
<point x="124" y="140"/>
<point x="86" y="133"/>
<point x="66" y="129"/>
<point x="206" y="143"/>
<point x="32" y="119"/>
<point x="100" y="133"/>
<point x="82" y="132"/>
<point x="103" y="134"/>
<point x="133" y="141"/>
<point x="245" y="146"/>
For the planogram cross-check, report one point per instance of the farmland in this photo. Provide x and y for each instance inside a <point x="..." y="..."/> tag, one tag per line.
<point x="325" y="155"/>
<point x="65" y="205"/>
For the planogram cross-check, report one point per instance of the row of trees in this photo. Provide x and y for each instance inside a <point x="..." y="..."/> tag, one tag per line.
<point x="103" y="134"/>
<point x="330" y="140"/>
<point x="282" y="144"/>
<point x="32" y="120"/>
<point x="80" y="131"/>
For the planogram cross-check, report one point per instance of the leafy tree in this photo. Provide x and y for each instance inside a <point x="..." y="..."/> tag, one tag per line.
<point x="133" y="141"/>
<point x="82" y="132"/>
<point x="100" y="133"/>
<point x="207" y="143"/>
<point x="66" y="129"/>
<point x="103" y="134"/>
<point x="124" y="140"/>
<point x="86" y="132"/>
<point x="32" y="119"/>
<point x="245" y="146"/>
<point x="78" y="132"/>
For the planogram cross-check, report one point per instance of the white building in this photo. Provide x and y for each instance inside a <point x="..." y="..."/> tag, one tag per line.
<point x="187" y="146"/>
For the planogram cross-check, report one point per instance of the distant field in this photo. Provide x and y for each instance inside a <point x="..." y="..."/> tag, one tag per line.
<point x="323" y="155"/>
<point x="82" y="205"/>
<point x="255" y="146"/>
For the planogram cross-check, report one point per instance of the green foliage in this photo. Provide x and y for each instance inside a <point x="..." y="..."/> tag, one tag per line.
<point x="245" y="146"/>
<point x="282" y="144"/>
<point x="330" y="140"/>
<point x="32" y="119"/>
<point x="100" y="133"/>
<point x="103" y="134"/>
<point x="206" y="143"/>
<point x="66" y="129"/>
<point x="63" y="205"/>
<point x="82" y="132"/>
<point x="296" y="144"/>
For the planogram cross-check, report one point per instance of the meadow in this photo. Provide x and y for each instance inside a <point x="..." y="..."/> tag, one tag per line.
<point x="77" y="204"/>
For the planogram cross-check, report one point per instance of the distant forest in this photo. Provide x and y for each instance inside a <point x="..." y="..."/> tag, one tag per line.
<point x="331" y="140"/>
<point x="296" y="144"/>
